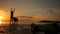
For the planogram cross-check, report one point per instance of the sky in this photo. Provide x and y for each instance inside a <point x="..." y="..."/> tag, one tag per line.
<point x="36" y="8"/>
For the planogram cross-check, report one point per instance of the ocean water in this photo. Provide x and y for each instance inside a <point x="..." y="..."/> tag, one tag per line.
<point x="24" y="27"/>
<point x="23" y="22"/>
<point x="21" y="29"/>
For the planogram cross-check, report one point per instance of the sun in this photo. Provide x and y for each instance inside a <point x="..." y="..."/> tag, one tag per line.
<point x="0" y="20"/>
<point x="1" y="17"/>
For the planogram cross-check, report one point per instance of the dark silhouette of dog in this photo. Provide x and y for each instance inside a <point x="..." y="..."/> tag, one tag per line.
<point x="15" y="19"/>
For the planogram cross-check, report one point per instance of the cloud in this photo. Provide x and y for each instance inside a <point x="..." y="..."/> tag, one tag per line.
<point x="45" y="12"/>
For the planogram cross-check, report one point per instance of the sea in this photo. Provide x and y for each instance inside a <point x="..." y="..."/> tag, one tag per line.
<point x="22" y="27"/>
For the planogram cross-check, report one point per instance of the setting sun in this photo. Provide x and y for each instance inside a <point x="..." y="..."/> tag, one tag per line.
<point x="0" y="22"/>
<point x="4" y="16"/>
<point x="1" y="17"/>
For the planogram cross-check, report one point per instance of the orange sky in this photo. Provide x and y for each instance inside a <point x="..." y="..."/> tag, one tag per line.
<point x="6" y="16"/>
<point x="39" y="10"/>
